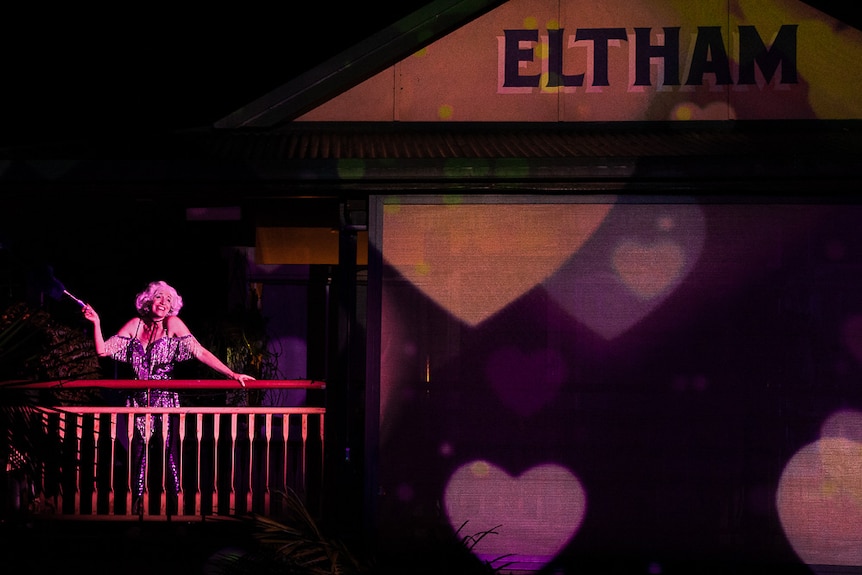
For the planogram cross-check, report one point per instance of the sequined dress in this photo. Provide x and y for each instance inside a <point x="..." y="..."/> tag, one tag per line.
<point x="155" y="362"/>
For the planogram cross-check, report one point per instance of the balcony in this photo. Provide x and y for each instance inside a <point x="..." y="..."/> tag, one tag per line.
<point x="232" y="460"/>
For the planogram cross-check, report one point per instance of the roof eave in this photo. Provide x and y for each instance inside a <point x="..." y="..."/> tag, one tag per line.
<point x="356" y="64"/>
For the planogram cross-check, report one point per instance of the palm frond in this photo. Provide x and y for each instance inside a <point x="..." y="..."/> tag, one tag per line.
<point x="469" y="542"/>
<point x="295" y="543"/>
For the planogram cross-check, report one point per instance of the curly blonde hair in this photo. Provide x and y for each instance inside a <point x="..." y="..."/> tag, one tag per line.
<point x="144" y="300"/>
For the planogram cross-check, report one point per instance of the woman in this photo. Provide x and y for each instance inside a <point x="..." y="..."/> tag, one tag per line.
<point x="154" y="344"/>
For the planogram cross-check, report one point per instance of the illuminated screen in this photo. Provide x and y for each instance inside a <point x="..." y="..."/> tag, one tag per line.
<point x="621" y="379"/>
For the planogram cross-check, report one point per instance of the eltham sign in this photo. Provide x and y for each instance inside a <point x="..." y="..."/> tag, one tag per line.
<point x="622" y="60"/>
<point x="708" y="56"/>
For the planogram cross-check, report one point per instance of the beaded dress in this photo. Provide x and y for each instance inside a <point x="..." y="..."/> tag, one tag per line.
<point x="155" y="362"/>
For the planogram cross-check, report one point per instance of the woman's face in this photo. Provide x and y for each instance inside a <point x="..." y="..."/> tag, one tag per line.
<point x="162" y="302"/>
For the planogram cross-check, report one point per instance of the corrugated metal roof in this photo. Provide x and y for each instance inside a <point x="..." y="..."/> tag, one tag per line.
<point x="422" y="141"/>
<point x="446" y="155"/>
<point x="790" y="153"/>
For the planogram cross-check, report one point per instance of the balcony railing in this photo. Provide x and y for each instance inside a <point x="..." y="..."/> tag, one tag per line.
<point x="231" y="460"/>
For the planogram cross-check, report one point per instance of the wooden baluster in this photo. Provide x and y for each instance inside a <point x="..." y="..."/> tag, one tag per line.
<point x="322" y="450"/>
<point x="216" y="426"/>
<point x="199" y="424"/>
<point x="181" y="503"/>
<point x="148" y="429"/>
<point x="43" y="468"/>
<point x="267" y="429"/>
<point x="285" y="433"/>
<point x="233" y="423"/>
<point x="304" y="452"/>
<point x="48" y="470"/>
<point x="61" y="431"/>
<point x="252" y="431"/>
<point x="112" y="503"/>
<point x="95" y="492"/>
<point x="130" y="471"/>
<point x="78" y="441"/>
<point x="164" y="449"/>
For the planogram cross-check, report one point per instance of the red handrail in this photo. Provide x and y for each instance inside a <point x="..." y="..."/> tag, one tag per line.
<point x="176" y="384"/>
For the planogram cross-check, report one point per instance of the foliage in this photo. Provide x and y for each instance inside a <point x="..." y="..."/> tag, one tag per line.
<point x="22" y="334"/>
<point x="34" y="347"/>
<point x="294" y="546"/>
<point x="470" y="541"/>
<point x="241" y="340"/>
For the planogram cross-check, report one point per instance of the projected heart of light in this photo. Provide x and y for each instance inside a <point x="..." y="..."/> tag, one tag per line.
<point x="473" y="260"/>
<point x="819" y="497"/>
<point x="608" y="268"/>
<point x="633" y="262"/>
<point x="520" y="521"/>
<point x="605" y="264"/>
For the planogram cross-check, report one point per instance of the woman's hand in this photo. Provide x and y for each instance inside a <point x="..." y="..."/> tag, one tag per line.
<point x="90" y="313"/>
<point x="242" y="378"/>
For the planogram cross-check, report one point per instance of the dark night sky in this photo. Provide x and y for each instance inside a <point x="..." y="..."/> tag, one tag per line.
<point x="73" y="70"/>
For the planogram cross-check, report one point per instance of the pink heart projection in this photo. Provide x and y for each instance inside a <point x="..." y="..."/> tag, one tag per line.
<point x="534" y="515"/>
<point x="607" y="268"/>
<point x="819" y="496"/>
<point x="647" y="270"/>
<point x="630" y="266"/>
<point x="474" y="259"/>
<point x="525" y="382"/>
